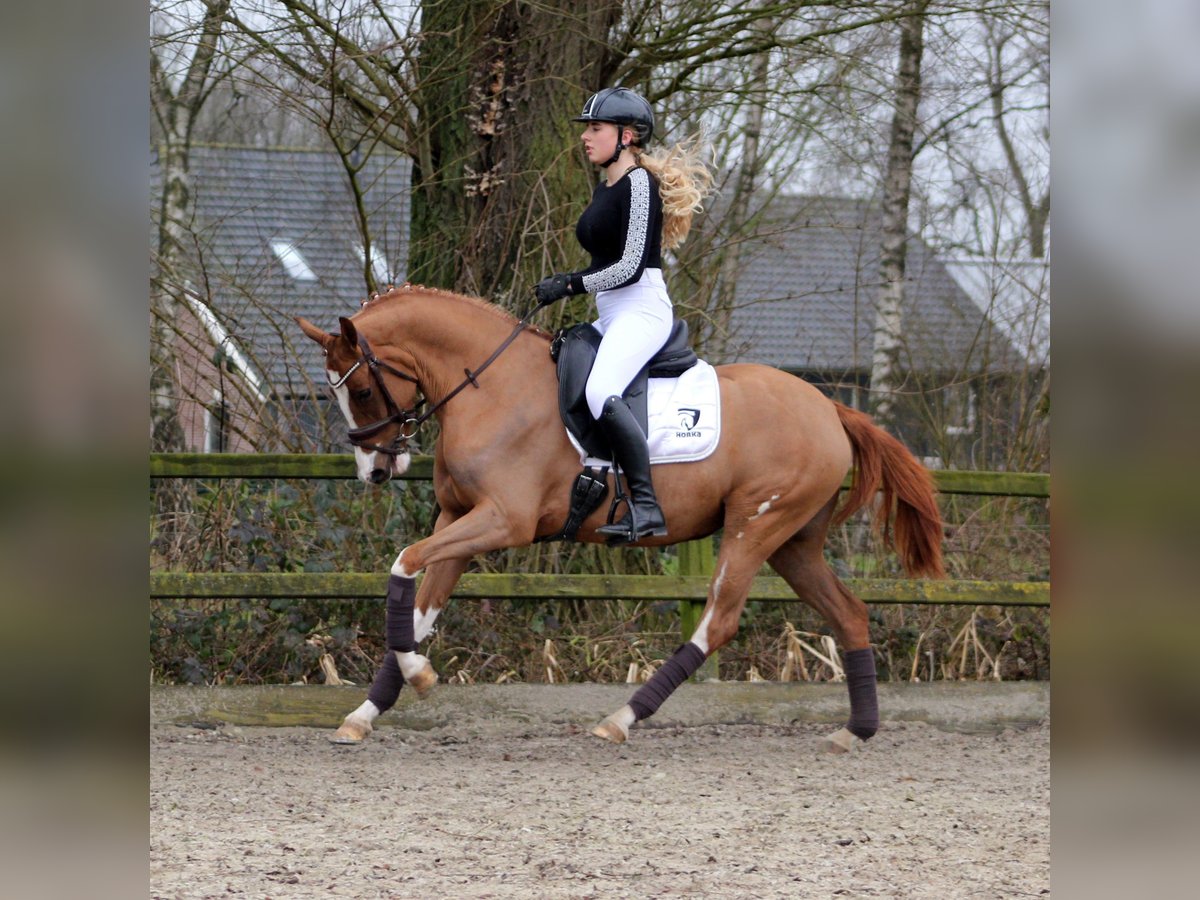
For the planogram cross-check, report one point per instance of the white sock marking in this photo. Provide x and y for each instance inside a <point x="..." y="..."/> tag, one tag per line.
<point x="700" y="635"/>
<point x="411" y="664"/>
<point x="398" y="567"/>
<point x="624" y="717"/>
<point x="423" y="622"/>
<point x="368" y="713"/>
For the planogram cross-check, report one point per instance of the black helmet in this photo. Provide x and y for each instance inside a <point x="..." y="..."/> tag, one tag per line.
<point x="620" y="106"/>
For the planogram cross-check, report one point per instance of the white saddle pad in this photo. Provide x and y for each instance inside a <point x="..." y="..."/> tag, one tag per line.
<point x="683" y="415"/>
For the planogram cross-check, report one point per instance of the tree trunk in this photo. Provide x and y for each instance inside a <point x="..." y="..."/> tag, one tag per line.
<point x="177" y="110"/>
<point x="1036" y="209"/>
<point x="1037" y="212"/>
<point x="166" y="434"/>
<point x="897" y="188"/>
<point x="497" y="181"/>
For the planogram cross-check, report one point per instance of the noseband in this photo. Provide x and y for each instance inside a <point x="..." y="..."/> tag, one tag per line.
<point x="409" y="421"/>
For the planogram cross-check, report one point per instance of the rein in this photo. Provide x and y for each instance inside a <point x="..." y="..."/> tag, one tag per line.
<point x="410" y="422"/>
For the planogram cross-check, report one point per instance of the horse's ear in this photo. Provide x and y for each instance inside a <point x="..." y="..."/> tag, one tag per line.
<point x="315" y="333"/>
<point x="349" y="332"/>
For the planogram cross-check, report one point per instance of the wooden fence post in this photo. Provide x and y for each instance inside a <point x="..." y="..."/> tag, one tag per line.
<point x="696" y="558"/>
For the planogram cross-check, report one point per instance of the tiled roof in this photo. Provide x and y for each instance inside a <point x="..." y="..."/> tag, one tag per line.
<point x="246" y="198"/>
<point x="1015" y="294"/>
<point x="806" y="296"/>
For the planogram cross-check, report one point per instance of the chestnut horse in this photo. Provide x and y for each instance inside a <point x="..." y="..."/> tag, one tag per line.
<point x="504" y="467"/>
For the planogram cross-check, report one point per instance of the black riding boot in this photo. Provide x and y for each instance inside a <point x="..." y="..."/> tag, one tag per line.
<point x="644" y="517"/>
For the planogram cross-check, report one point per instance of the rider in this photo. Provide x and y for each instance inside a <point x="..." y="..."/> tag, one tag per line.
<point x="644" y="205"/>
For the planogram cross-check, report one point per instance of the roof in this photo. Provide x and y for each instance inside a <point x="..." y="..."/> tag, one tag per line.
<point x="805" y="299"/>
<point x="810" y="279"/>
<point x="1015" y="294"/>
<point x="261" y="216"/>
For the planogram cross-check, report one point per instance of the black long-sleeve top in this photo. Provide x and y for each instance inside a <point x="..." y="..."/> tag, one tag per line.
<point x="622" y="230"/>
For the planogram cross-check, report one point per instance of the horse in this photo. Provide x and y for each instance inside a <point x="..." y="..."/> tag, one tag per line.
<point x="503" y="469"/>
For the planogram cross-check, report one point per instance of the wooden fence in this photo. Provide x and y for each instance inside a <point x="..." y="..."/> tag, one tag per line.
<point x="690" y="587"/>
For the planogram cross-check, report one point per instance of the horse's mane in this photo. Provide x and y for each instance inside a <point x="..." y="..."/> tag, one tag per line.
<point x="483" y="305"/>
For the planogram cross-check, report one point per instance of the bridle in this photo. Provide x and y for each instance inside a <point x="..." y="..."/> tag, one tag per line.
<point x="410" y="421"/>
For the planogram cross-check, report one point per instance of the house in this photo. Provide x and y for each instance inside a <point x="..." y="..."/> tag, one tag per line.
<point x="805" y="302"/>
<point x="1014" y="294"/>
<point x="276" y="235"/>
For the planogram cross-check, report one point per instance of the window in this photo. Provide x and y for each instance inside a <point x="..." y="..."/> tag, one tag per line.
<point x="293" y="261"/>
<point x="379" y="266"/>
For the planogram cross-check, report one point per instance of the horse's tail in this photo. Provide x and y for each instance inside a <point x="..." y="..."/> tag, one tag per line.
<point x="884" y="464"/>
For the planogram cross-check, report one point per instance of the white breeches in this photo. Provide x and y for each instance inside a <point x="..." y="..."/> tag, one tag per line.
<point x="635" y="322"/>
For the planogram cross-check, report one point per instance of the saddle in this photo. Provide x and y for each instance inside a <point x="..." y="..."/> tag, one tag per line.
<point x="574" y="352"/>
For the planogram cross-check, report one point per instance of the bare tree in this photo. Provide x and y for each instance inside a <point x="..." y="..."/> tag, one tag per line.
<point x="476" y="98"/>
<point x="175" y="111"/>
<point x="477" y="94"/>
<point x="1001" y="36"/>
<point x="896" y="192"/>
<point x="479" y="97"/>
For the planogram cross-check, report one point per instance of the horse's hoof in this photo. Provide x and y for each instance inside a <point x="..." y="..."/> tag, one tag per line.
<point x="611" y="730"/>
<point x="842" y="741"/>
<point x="351" y="732"/>
<point x="424" y="681"/>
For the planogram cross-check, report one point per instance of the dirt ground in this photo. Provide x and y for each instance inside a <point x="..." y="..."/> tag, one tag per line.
<point x="737" y="810"/>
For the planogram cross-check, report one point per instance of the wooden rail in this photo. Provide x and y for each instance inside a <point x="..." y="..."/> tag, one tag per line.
<point x="341" y="465"/>
<point x="328" y="585"/>
<point x="690" y="587"/>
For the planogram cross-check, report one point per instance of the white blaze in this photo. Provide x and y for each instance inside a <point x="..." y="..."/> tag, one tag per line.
<point x="364" y="460"/>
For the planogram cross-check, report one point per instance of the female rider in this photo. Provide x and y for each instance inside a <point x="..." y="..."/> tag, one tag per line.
<point x="644" y="205"/>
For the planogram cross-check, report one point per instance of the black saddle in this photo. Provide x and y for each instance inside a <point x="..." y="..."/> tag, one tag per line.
<point x="574" y="350"/>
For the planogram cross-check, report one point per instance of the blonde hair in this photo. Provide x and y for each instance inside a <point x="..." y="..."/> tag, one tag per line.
<point x="684" y="180"/>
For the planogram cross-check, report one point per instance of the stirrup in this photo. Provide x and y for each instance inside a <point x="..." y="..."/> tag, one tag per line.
<point x="624" y="532"/>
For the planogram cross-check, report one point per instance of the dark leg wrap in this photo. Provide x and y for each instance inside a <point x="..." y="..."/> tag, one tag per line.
<point x="385" y="689"/>
<point x="400" y="596"/>
<point x="864" y="705"/>
<point x="675" y="671"/>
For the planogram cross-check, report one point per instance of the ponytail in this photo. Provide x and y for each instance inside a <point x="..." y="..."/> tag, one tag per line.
<point x="684" y="180"/>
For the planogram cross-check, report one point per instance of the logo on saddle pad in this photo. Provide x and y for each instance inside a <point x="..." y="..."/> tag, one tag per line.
<point x="688" y="419"/>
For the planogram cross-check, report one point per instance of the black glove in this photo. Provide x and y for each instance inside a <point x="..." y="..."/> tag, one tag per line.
<point x="553" y="288"/>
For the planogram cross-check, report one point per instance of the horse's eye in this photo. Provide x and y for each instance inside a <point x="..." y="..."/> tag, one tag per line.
<point x="363" y="396"/>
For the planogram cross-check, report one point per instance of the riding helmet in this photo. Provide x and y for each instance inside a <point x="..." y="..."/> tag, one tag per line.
<point x="620" y="106"/>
